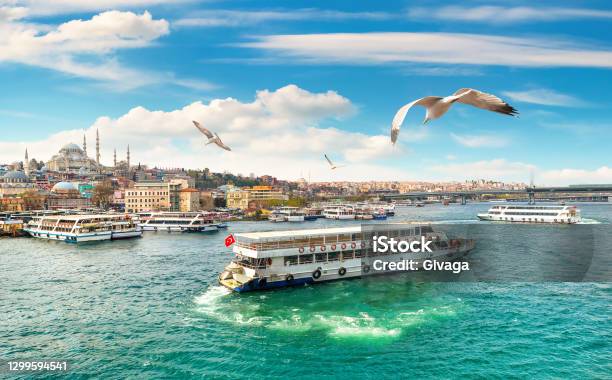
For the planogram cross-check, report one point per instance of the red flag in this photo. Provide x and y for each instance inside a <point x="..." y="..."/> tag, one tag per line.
<point x="229" y="240"/>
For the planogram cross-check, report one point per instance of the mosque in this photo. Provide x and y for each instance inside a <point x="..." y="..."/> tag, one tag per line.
<point x="73" y="159"/>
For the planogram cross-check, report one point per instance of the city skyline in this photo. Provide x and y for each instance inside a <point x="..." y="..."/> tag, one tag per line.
<point x="284" y="85"/>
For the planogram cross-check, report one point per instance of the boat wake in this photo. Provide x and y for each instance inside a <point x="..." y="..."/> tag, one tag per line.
<point x="344" y="322"/>
<point x="589" y="221"/>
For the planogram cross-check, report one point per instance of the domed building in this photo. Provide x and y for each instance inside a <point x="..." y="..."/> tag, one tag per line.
<point x="14" y="182"/>
<point x="71" y="158"/>
<point x="64" y="187"/>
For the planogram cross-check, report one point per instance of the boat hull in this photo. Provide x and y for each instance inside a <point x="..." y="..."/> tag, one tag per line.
<point x="69" y="238"/>
<point x="541" y="220"/>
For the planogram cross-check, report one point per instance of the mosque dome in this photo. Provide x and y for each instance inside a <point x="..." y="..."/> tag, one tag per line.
<point x="72" y="148"/>
<point x="15" y="176"/>
<point x="64" y="186"/>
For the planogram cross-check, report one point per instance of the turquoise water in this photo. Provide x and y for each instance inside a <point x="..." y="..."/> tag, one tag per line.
<point x="151" y="308"/>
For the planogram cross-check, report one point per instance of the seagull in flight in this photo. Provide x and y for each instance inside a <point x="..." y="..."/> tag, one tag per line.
<point x="331" y="164"/>
<point x="211" y="138"/>
<point x="437" y="106"/>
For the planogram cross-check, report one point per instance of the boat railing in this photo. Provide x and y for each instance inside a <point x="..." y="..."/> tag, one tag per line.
<point x="268" y="246"/>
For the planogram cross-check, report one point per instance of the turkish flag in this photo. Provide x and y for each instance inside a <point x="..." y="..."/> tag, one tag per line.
<point x="229" y="240"/>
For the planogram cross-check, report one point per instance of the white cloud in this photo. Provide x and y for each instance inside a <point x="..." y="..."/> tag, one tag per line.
<point x="544" y="97"/>
<point x="575" y="176"/>
<point x="499" y="14"/>
<point x="236" y="18"/>
<point x="439" y="48"/>
<point x="277" y="133"/>
<point x="12" y="13"/>
<point x="83" y="47"/>
<point x="480" y="141"/>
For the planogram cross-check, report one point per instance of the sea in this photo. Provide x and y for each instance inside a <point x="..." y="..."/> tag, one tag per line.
<point x="151" y="308"/>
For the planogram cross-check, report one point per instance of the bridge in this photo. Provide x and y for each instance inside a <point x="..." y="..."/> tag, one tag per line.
<point x="598" y="192"/>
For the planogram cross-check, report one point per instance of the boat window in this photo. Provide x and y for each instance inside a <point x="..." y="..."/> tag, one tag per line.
<point x="291" y="260"/>
<point x="305" y="259"/>
<point x="332" y="256"/>
<point x="426" y="229"/>
<point x="347" y="255"/>
<point x="321" y="257"/>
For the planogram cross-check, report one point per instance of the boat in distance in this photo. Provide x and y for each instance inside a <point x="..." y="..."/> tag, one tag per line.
<point x="559" y="214"/>
<point x="83" y="227"/>
<point x="170" y="221"/>
<point x="276" y="259"/>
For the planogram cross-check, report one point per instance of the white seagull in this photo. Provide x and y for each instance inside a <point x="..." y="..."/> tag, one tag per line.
<point x="437" y="106"/>
<point x="331" y="164"/>
<point x="211" y="138"/>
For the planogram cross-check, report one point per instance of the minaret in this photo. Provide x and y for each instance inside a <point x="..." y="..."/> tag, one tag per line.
<point x="115" y="159"/>
<point x="98" y="149"/>
<point x="26" y="164"/>
<point x="84" y="145"/>
<point x="128" y="158"/>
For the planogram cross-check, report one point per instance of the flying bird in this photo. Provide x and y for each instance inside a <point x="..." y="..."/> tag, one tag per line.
<point x="437" y="106"/>
<point x="331" y="164"/>
<point x="212" y="138"/>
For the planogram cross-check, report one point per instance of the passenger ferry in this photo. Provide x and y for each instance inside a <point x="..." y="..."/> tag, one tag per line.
<point x="339" y="213"/>
<point x="287" y="214"/>
<point x="170" y="221"/>
<point x="83" y="228"/>
<point x="266" y="260"/>
<point x="532" y="214"/>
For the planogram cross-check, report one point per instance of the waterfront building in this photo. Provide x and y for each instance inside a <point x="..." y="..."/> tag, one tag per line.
<point x="66" y="195"/>
<point x="255" y="196"/>
<point x="11" y="204"/>
<point x="189" y="200"/>
<point x="156" y="196"/>
<point x="237" y="198"/>
<point x="147" y="196"/>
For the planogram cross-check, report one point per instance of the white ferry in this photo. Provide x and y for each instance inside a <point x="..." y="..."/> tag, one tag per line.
<point x="387" y="208"/>
<point x="170" y="221"/>
<point x="83" y="228"/>
<point x="266" y="260"/>
<point x="339" y="213"/>
<point x="532" y="214"/>
<point x="287" y="214"/>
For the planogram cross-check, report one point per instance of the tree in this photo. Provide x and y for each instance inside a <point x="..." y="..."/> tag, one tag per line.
<point x="220" y="202"/>
<point x="102" y="194"/>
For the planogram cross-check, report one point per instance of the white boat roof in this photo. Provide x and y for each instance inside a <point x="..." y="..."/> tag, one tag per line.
<point x="265" y="235"/>
<point x="286" y="234"/>
<point x="83" y="216"/>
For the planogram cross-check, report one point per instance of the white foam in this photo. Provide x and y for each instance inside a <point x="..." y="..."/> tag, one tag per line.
<point x="212" y="295"/>
<point x="589" y="221"/>
<point x="365" y="332"/>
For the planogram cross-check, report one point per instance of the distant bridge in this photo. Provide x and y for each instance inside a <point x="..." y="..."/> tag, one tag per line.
<point x="602" y="191"/>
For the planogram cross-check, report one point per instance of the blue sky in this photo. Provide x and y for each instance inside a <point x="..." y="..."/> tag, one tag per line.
<point x="335" y="74"/>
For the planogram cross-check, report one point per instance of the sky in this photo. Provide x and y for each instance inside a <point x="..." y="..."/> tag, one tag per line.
<point x="283" y="83"/>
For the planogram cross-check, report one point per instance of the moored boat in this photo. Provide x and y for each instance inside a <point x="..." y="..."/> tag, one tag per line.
<point x="83" y="227"/>
<point x="183" y="222"/>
